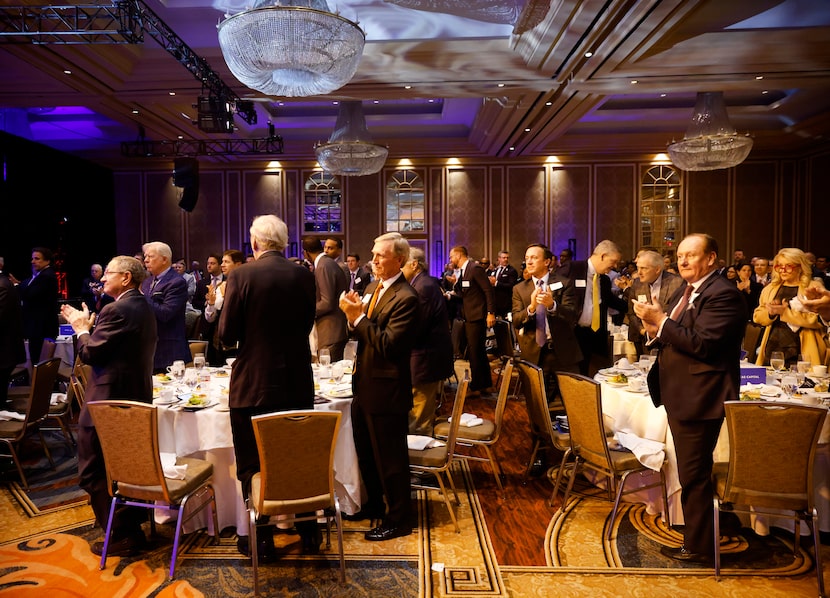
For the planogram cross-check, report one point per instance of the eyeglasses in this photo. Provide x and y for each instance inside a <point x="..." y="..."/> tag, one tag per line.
<point x="108" y="272"/>
<point x="784" y="267"/>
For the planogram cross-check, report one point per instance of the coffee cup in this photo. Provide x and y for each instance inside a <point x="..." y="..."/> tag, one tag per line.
<point x="820" y="370"/>
<point x="229" y="361"/>
<point x="223" y="401"/>
<point x="167" y="394"/>
<point x="636" y="384"/>
<point x="176" y="368"/>
<point x="811" y="400"/>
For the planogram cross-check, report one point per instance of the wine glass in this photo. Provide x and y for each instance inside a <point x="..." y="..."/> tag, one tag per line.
<point x="324" y="359"/>
<point x="199" y="361"/>
<point x="191" y="378"/>
<point x="789" y="384"/>
<point x="803" y="364"/>
<point x="776" y="360"/>
<point x="337" y="371"/>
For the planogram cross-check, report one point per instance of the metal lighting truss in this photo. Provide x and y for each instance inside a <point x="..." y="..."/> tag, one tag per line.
<point x="194" y="147"/>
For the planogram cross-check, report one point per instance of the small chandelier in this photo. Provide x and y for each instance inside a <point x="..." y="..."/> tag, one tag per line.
<point x="711" y="142"/>
<point x="350" y="150"/>
<point x="293" y="48"/>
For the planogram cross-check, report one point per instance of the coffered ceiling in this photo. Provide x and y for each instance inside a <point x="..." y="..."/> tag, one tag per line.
<point x="457" y="78"/>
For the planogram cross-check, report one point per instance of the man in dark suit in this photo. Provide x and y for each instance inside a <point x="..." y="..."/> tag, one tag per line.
<point x="383" y="386"/>
<point x="120" y="350"/>
<point x="166" y="291"/>
<point x="431" y="360"/>
<point x="546" y="303"/>
<point x="331" y="281"/>
<point x="358" y="276"/>
<point x="478" y="304"/>
<point x="269" y="310"/>
<point x="39" y="299"/>
<point x="697" y="370"/>
<point x="503" y="278"/>
<point x="204" y="286"/>
<point x="654" y="284"/>
<point x="12" y="349"/>
<point x="592" y="327"/>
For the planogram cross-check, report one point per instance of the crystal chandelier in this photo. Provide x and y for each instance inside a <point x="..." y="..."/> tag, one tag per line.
<point x="350" y="150"/>
<point x="293" y="48"/>
<point x="711" y="142"/>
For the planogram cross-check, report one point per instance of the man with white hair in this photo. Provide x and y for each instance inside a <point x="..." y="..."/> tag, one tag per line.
<point x="167" y="293"/>
<point x="654" y="285"/>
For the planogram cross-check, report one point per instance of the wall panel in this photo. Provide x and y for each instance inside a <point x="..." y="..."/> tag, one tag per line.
<point x="570" y="210"/>
<point x="129" y="221"/>
<point x="165" y="219"/>
<point x="818" y="208"/>
<point x="203" y="224"/>
<point x="527" y="206"/>
<point x="616" y="205"/>
<point x="756" y="189"/>
<point x="467" y="202"/>
<point x="364" y="201"/>
<point x="707" y="203"/>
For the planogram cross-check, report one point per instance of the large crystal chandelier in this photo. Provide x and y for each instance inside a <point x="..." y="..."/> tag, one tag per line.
<point x="350" y="150"/>
<point x="711" y="142"/>
<point x="293" y="48"/>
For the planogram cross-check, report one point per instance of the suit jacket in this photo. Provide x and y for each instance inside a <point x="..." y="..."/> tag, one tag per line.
<point x="12" y="350"/>
<point x="169" y="300"/>
<point x="577" y="271"/>
<point x="561" y="322"/>
<point x="200" y="296"/>
<point x="669" y="283"/>
<point x="39" y="298"/>
<point x="330" y="279"/>
<point x="269" y="311"/>
<point x="383" y="380"/>
<point x="698" y="366"/>
<point x="361" y="281"/>
<point x="476" y="292"/>
<point x="120" y="350"/>
<point x="432" y="352"/>
<point x="505" y="280"/>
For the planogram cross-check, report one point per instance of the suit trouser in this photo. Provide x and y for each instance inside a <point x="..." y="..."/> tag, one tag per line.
<point x="550" y="365"/>
<point x="594" y="347"/>
<point x="383" y="457"/>
<point x="5" y="377"/>
<point x="424" y="401"/>
<point x="480" y="376"/>
<point x="694" y="442"/>
<point x="93" y="480"/>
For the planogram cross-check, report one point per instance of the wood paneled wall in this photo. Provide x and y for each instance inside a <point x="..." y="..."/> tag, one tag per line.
<point x="759" y="207"/>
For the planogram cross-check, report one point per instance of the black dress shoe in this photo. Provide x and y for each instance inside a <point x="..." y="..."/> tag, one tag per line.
<point x="687" y="556"/>
<point x="538" y="468"/>
<point x="266" y="551"/>
<point x="387" y="532"/>
<point x="127" y="546"/>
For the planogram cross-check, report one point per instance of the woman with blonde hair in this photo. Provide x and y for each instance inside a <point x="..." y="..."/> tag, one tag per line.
<point x="789" y="327"/>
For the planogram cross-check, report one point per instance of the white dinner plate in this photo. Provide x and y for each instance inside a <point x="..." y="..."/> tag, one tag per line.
<point x="189" y="407"/>
<point x="345" y="393"/>
<point x="642" y="391"/>
<point x="617" y="384"/>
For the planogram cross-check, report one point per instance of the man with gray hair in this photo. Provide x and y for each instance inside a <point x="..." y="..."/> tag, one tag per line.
<point x="654" y="285"/>
<point x="269" y="310"/>
<point x="167" y="293"/>
<point x="431" y="360"/>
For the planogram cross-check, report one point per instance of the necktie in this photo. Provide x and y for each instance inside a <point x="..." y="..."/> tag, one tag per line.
<point x="351" y="284"/>
<point x="595" y="304"/>
<point x="678" y="310"/>
<point x="498" y="272"/>
<point x="153" y="284"/>
<point x="541" y="321"/>
<point x="374" y="300"/>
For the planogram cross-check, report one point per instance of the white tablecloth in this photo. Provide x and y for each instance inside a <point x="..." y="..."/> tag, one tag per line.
<point x="206" y="434"/>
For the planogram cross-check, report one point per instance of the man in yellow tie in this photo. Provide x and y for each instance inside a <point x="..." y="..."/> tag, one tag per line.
<point x="594" y="298"/>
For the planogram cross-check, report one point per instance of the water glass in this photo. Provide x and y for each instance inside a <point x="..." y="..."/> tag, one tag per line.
<point x="337" y="371"/>
<point x="776" y="360"/>
<point x="191" y="378"/>
<point x="789" y="384"/>
<point x="177" y="370"/>
<point x="350" y="351"/>
<point x="199" y="361"/>
<point x="324" y="359"/>
<point x="803" y="364"/>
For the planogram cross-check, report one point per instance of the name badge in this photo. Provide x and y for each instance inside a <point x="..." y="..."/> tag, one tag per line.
<point x="357" y="280"/>
<point x="555" y="286"/>
<point x="465" y="284"/>
<point x="580" y="283"/>
<point x="642" y="298"/>
<point x="366" y="298"/>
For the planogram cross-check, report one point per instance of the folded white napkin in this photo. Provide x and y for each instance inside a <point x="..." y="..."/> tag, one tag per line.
<point x="171" y="470"/>
<point x="648" y="452"/>
<point x="469" y="420"/>
<point x="10" y="415"/>
<point x="58" y="397"/>
<point x="420" y="443"/>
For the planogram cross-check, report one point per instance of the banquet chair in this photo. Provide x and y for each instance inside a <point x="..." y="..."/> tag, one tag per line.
<point x="197" y="347"/>
<point x="25" y="370"/>
<point x="589" y="444"/>
<point x="128" y="433"/>
<point x="78" y="390"/>
<point x="14" y="432"/>
<point x="438" y="460"/>
<point x="508" y="348"/>
<point x="752" y="336"/>
<point x="485" y="435"/>
<point x="296" y="454"/>
<point x="779" y="477"/>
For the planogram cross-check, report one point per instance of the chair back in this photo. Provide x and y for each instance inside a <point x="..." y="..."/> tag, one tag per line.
<point x="44" y="375"/>
<point x="533" y="385"/>
<point x="197" y="347"/>
<point x="506" y="344"/>
<point x="583" y="405"/>
<point x="772" y="447"/>
<point x="78" y="390"/>
<point x="501" y="400"/>
<point x="47" y="351"/>
<point x="752" y="335"/>
<point x="457" y="412"/>
<point x="128" y="432"/>
<point x="296" y="454"/>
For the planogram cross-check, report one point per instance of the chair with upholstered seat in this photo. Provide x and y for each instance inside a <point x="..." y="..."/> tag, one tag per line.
<point x="296" y="454"/>
<point x="25" y="372"/>
<point x="13" y="432"/>
<point x="589" y="444"/>
<point x="486" y="434"/>
<point x="508" y="349"/>
<point x="772" y="449"/>
<point x="128" y="433"/>
<point x="438" y="460"/>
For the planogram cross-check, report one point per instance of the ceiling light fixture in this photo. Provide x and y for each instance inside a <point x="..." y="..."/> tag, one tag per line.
<point x="294" y="48"/>
<point x="350" y="150"/>
<point x="711" y="142"/>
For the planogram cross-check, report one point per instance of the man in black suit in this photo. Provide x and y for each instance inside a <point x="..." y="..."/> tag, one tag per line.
<point x="503" y="278"/>
<point x="359" y="277"/>
<point x="269" y="310"/>
<point x="478" y="304"/>
<point x="331" y="280"/>
<point x="697" y="370"/>
<point x="431" y="360"/>
<point x="39" y="299"/>
<point x="588" y="277"/>
<point x="383" y="386"/>
<point x="207" y="328"/>
<point x="120" y="350"/>
<point x="12" y="349"/>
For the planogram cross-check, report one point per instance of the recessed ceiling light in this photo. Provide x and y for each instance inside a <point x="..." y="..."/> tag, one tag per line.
<point x="759" y="77"/>
<point x="527" y="129"/>
<point x="407" y="87"/>
<point x="376" y="102"/>
<point x="430" y="101"/>
<point x="67" y="72"/>
<point x="634" y="82"/>
<point x="172" y="93"/>
<point x="335" y="103"/>
<point x="181" y="136"/>
<point x="588" y="54"/>
<point x="512" y="148"/>
<point x="548" y="103"/>
<point x="135" y="111"/>
<point x="501" y="84"/>
<point x="662" y="95"/>
<point x="765" y="92"/>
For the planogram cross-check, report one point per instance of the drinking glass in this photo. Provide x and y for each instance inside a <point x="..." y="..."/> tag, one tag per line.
<point x="804" y="364"/>
<point x="789" y="384"/>
<point x="199" y="361"/>
<point x="776" y="360"/>
<point x="337" y="371"/>
<point x="177" y="370"/>
<point x="191" y="378"/>
<point x="324" y="359"/>
<point x="350" y="351"/>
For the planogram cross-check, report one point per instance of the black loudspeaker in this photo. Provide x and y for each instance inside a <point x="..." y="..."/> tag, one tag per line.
<point x="186" y="172"/>
<point x="189" y="196"/>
